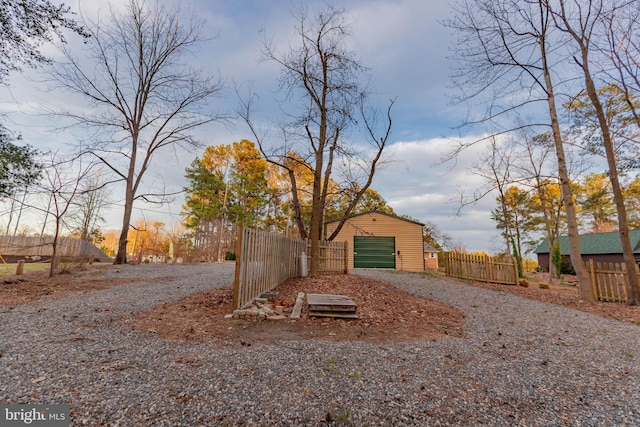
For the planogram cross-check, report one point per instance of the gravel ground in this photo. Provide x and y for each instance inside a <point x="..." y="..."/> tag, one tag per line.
<point x="522" y="363"/>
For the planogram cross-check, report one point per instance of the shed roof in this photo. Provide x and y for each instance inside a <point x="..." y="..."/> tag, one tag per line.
<point x="429" y="248"/>
<point x="381" y="213"/>
<point x="595" y="243"/>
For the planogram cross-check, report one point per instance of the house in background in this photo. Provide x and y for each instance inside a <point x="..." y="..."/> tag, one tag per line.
<point x="380" y="240"/>
<point x="430" y="256"/>
<point x="600" y="247"/>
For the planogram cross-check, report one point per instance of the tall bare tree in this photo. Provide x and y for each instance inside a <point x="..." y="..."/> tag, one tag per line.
<point x="505" y="47"/>
<point x="144" y="98"/>
<point x="582" y="20"/>
<point x="326" y="92"/>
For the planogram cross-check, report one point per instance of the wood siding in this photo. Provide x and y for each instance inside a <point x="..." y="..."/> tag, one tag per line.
<point x="408" y="237"/>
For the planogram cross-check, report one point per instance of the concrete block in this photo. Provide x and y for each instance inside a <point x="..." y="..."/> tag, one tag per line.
<point x="270" y="294"/>
<point x="297" y="308"/>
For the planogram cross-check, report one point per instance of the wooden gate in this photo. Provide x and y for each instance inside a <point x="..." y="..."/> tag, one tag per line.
<point x="609" y="280"/>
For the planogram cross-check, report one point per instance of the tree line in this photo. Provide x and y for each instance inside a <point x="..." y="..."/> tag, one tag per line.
<point x="233" y="184"/>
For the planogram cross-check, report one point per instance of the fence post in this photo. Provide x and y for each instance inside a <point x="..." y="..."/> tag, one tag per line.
<point x="346" y="257"/>
<point x="236" y="279"/>
<point x="20" y="267"/>
<point x="515" y="270"/>
<point x="446" y="263"/>
<point x="594" y="280"/>
<point x="487" y="268"/>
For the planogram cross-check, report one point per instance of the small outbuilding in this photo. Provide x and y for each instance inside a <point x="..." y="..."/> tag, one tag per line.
<point x="380" y="240"/>
<point x="430" y="256"/>
<point x="599" y="247"/>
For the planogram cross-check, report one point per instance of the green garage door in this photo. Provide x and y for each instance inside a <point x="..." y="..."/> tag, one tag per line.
<point x="374" y="252"/>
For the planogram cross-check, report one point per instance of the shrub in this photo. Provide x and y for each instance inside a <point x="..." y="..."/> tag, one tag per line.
<point x="566" y="267"/>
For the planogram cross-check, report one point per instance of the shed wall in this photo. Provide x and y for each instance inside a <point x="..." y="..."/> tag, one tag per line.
<point x="408" y="237"/>
<point x="430" y="260"/>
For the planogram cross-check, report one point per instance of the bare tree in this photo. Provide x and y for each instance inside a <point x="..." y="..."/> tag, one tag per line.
<point x="323" y="85"/>
<point x="436" y="237"/>
<point x="539" y="150"/>
<point x="621" y="33"/>
<point x="494" y="168"/>
<point x="581" y="20"/>
<point x="505" y="47"/>
<point x="143" y="97"/>
<point x="62" y="185"/>
<point x="86" y="213"/>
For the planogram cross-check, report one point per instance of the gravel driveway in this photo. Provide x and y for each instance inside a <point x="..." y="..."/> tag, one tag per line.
<point x="522" y="362"/>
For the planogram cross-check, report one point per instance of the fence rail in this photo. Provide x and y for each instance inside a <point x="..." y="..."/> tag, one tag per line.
<point x="481" y="268"/>
<point x="264" y="260"/>
<point x="610" y="281"/>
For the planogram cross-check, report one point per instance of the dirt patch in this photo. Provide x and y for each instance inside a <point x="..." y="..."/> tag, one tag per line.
<point x="386" y="315"/>
<point x="35" y="286"/>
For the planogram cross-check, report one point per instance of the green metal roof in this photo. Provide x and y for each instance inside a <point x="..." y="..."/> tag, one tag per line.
<point x="595" y="243"/>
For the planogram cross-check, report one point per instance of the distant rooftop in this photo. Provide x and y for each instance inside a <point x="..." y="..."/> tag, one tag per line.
<point x="429" y="248"/>
<point x="595" y="243"/>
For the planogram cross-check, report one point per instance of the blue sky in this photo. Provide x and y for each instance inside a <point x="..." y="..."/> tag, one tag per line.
<point x="403" y="43"/>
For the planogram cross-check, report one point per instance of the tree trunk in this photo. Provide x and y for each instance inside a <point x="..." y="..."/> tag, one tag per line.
<point x="584" y="279"/>
<point x="121" y="256"/>
<point x="54" y="250"/>
<point x="316" y="218"/>
<point x="551" y="237"/>
<point x="296" y="206"/>
<point x="623" y="225"/>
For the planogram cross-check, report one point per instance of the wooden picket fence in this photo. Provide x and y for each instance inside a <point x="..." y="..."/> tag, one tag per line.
<point x="43" y="247"/>
<point x="333" y="256"/>
<point x="265" y="260"/>
<point x="481" y="268"/>
<point x="610" y="281"/>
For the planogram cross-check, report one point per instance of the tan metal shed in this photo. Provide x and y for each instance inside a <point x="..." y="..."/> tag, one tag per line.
<point x="380" y="240"/>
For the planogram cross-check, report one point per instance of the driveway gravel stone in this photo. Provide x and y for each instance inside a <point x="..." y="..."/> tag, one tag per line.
<point x="521" y="362"/>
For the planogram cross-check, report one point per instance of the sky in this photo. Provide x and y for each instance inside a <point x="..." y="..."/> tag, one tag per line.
<point x="403" y="43"/>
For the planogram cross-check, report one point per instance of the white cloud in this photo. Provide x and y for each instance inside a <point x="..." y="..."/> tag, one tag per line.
<point x="417" y="183"/>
